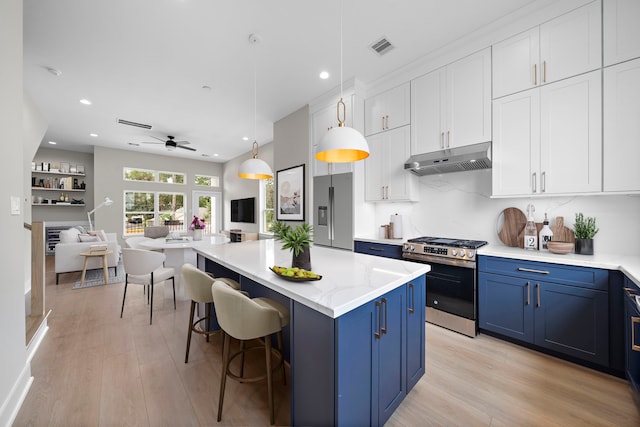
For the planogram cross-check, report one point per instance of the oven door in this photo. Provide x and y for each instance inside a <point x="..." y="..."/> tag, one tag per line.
<point x="452" y="289"/>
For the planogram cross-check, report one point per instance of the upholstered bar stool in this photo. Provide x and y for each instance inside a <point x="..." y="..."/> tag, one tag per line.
<point x="246" y="319"/>
<point x="197" y="284"/>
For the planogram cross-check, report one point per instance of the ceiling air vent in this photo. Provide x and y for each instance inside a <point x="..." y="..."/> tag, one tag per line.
<point x="381" y="46"/>
<point x="128" y="123"/>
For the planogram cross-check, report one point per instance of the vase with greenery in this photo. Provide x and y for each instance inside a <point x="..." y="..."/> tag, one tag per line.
<point x="585" y="229"/>
<point x="297" y="240"/>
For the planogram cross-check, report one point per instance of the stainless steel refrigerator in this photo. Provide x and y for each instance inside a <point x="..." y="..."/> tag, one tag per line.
<point x="333" y="210"/>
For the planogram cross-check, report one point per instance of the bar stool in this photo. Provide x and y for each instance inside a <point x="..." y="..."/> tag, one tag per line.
<point x="246" y="319"/>
<point x="197" y="284"/>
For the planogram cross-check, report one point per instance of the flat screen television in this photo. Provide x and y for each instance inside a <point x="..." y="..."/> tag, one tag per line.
<point x="243" y="210"/>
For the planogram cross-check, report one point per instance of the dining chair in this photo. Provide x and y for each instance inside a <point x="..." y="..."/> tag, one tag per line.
<point x="145" y="268"/>
<point x="197" y="285"/>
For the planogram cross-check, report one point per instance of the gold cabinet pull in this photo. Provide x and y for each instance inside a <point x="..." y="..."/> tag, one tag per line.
<point x="448" y="139"/>
<point x="386" y="122"/>
<point x="413" y="303"/>
<point x="384" y="329"/>
<point x="382" y="122"/>
<point x="528" y="294"/>
<point x="535" y="74"/>
<point x="377" y="333"/>
<point x="544" y="71"/>
<point x="543" y="181"/>
<point x="534" y="182"/>
<point x="538" y="289"/>
<point x="634" y="346"/>
<point x="441" y="139"/>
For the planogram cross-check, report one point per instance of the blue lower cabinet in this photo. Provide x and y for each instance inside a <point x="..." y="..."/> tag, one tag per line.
<point x="416" y="298"/>
<point x="561" y="308"/>
<point x="378" y="249"/>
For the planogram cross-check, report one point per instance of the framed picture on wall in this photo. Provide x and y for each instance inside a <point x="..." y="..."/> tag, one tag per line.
<point x="290" y="194"/>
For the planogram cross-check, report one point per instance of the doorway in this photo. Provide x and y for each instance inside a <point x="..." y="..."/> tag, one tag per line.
<point x="208" y="205"/>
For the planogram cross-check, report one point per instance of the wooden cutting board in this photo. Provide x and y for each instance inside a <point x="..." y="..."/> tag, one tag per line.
<point x="511" y="222"/>
<point x="562" y="233"/>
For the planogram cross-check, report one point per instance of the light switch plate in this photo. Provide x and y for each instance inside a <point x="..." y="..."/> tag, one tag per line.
<point x="15" y="205"/>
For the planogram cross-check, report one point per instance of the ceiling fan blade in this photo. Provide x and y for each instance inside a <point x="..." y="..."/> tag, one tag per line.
<point x="159" y="139"/>
<point x="186" y="148"/>
<point x="151" y="142"/>
<point x="182" y="142"/>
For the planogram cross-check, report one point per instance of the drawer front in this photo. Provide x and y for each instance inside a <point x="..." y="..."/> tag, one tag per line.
<point x="378" y="249"/>
<point x="593" y="278"/>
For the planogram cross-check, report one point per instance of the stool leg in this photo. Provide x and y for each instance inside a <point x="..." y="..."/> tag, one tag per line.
<point x="281" y="349"/>
<point x="241" y="359"/>
<point x="223" y="374"/>
<point x="267" y="353"/>
<point x="193" y="306"/>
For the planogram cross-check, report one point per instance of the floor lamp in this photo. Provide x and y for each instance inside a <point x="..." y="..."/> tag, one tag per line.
<point x="107" y="202"/>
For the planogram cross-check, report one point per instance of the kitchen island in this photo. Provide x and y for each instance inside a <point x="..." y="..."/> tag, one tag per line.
<point x="356" y="337"/>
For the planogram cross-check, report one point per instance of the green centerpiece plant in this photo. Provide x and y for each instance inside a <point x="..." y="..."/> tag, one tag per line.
<point x="297" y="240"/>
<point x="584" y="229"/>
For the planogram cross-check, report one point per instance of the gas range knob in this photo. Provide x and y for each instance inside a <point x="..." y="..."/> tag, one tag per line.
<point x="412" y="248"/>
<point x="454" y="252"/>
<point x="471" y="254"/>
<point x="461" y="253"/>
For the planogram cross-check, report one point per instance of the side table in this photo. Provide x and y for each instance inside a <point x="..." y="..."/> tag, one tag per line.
<point x="105" y="268"/>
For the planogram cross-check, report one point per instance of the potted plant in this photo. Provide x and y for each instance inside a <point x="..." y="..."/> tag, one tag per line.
<point x="584" y="229"/>
<point x="197" y="225"/>
<point x="297" y="240"/>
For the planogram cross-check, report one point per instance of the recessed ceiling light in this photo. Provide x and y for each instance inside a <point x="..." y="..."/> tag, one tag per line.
<point x="95" y="135"/>
<point x="324" y="75"/>
<point x="85" y="102"/>
<point x="135" y="144"/>
<point x="216" y="155"/>
<point x="52" y="142"/>
<point x="245" y="138"/>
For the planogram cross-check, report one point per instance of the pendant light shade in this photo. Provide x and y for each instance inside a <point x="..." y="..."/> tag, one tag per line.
<point x="342" y="144"/>
<point x="254" y="168"/>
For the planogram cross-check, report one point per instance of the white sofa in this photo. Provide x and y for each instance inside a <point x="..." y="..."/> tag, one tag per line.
<point x="68" y="258"/>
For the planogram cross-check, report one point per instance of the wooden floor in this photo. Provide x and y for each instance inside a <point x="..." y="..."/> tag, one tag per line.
<point x="95" y="369"/>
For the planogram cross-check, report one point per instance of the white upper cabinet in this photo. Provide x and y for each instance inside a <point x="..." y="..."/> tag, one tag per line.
<point x="622" y="127"/>
<point x="621" y="20"/>
<point x="451" y="107"/>
<point x="385" y="177"/>
<point x="322" y="121"/>
<point x="388" y="110"/>
<point x="548" y="140"/>
<point x="565" y="46"/>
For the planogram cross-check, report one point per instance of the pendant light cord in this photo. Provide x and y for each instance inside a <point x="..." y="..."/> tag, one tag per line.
<point x="341" y="56"/>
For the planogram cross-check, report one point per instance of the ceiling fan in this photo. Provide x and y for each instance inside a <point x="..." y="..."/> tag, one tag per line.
<point x="170" y="143"/>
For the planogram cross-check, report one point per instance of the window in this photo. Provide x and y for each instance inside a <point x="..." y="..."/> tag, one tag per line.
<point x="267" y="200"/>
<point x="142" y="209"/>
<point x="207" y="181"/>
<point x="131" y="174"/>
<point x="171" y="177"/>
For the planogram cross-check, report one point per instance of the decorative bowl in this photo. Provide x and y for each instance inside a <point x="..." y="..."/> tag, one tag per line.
<point x="560" y="247"/>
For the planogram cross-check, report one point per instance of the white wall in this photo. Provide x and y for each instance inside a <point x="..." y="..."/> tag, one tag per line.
<point x="15" y="373"/>
<point x="458" y="205"/>
<point x="108" y="167"/>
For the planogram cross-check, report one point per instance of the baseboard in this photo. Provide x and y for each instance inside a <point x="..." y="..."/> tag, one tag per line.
<point x="37" y="338"/>
<point x="11" y="406"/>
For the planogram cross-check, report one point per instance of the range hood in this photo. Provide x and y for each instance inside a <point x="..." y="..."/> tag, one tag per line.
<point x="470" y="157"/>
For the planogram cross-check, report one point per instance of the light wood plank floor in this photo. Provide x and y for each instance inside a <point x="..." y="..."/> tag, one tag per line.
<point x="95" y="369"/>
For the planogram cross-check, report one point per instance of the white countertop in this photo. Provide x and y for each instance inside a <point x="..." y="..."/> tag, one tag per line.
<point x="184" y="243"/>
<point x="348" y="279"/>
<point x="629" y="265"/>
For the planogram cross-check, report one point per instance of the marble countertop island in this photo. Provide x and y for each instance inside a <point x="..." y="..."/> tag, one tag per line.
<point x="348" y="279"/>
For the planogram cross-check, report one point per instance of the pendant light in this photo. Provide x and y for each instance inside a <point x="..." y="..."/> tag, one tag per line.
<point x="342" y="144"/>
<point x="254" y="168"/>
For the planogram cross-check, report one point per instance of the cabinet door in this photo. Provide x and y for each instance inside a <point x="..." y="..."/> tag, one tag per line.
<point x="621" y="30"/>
<point x="416" y="301"/>
<point x="427" y="112"/>
<point x="374" y="174"/>
<point x="392" y="380"/>
<point x="572" y="321"/>
<point x="621" y="130"/>
<point x="468" y="98"/>
<point x="388" y="110"/>
<point x="505" y="306"/>
<point x="516" y="143"/>
<point x="515" y="63"/>
<point x="570" y="135"/>
<point x="571" y="44"/>
<point x="396" y="151"/>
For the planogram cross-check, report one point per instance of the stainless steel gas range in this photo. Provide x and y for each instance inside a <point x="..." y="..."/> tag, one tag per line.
<point x="451" y="283"/>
